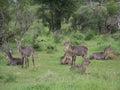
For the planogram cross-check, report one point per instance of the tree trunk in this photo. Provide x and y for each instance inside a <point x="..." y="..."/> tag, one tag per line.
<point x="57" y="20"/>
<point x="99" y="27"/>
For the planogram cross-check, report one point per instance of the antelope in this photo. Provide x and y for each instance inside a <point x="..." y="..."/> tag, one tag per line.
<point x="100" y="55"/>
<point x="12" y="60"/>
<point x="77" y="50"/>
<point x="81" y="67"/>
<point x="26" y="52"/>
<point x="67" y="58"/>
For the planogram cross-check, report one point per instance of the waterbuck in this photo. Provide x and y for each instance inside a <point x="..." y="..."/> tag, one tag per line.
<point x="81" y="67"/>
<point x="101" y="55"/>
<point x="67" y="58"/>
<point x="25" y="51"/>
<point x="77" y="50"/>
<point x="12" y="60"/>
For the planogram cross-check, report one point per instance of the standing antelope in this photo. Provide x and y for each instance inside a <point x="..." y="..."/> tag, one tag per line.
<point x="25" y="51"/>
<point x="101" y="55"/>
<point x="76" y="51"/>
<point x="12" y="60"/>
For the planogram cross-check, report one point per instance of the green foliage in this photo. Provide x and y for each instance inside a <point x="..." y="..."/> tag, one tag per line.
<point x="78" y="36"/>
<point x="89" y="36"/>
<point x="57" y="37"/>
<point x="116" y="36"/>
<point x="4" y="4"/>
<point x="51" y="48"/>
<point x="47" y="44"/>
<point x="82" y="18"/>
<point x="39" y="44"/>
<point x="112" y="8"/>
<point x="54" y="11"/>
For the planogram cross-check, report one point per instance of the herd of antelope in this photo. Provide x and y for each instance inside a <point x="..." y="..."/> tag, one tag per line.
<point x="80" y="50"/>
<point x="69" y="57"/>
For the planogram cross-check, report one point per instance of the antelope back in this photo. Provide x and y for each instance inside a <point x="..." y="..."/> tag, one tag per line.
<point x="27" y="51"/>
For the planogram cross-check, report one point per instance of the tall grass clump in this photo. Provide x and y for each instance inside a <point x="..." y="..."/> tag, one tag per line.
<point x="10" y="78"/>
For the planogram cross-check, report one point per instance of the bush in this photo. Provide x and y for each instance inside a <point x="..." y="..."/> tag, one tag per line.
<point x="89" y="36"/>
<point x="36" y="46"/>
<point x="50" y="48"/>
<point x="57" y="38"/>
<point x="116" y="36"/>
<point x="78" y="35"/>
<point x="39" y="43"/>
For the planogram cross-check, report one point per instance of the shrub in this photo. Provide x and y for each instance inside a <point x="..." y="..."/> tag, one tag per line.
<point x="36" y="46"/>
<point x="116" y="36"/>
<point x="78" y="35"/>
<point x="57" y="38"/>
<point x="89" y="36"/>
<point x="50" y="48"/>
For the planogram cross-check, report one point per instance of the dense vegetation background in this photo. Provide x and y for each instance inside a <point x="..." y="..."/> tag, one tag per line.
<point x="46" y="25"/>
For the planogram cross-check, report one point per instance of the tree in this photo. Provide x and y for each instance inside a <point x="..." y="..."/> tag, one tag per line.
<point x="15" y="19"/>
<point x="82" y="18"/>
<point x="4" y="19"/>
<point x="101" y="15"/>
<point x="53" y="12"/>
<point x="113" y="13"/>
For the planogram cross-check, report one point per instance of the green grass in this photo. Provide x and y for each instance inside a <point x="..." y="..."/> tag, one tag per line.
<point x="48" y="74"/>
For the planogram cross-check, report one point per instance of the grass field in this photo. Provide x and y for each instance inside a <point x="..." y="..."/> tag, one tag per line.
<point x="48" y="74"/>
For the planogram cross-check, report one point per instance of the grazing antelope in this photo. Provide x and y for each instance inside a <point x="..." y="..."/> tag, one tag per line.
<point x="12" y="60"/>
<point x="101" y="55"/>
<point x="81" y="67"/>
<point x="25" y="51"/>
<point x="77" y="50"/>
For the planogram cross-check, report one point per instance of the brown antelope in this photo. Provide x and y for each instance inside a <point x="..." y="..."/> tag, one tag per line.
<point x="25" y="51"/>
<point x="12" y="60"/>
<point x="77" y="50"/>
<point x="81" y="67"/>
<point x="67" y="58"/>
<point x="64" y="60"/>
<point x="100" y="55"/>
